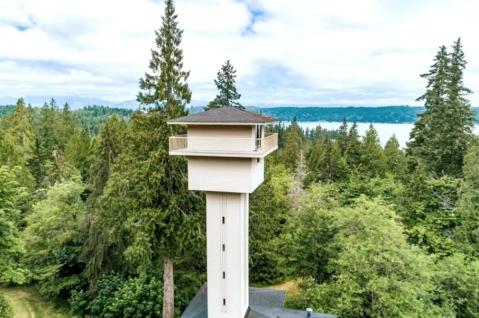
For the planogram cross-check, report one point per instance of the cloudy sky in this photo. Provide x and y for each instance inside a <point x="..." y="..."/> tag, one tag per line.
<point x="287" y="52"/>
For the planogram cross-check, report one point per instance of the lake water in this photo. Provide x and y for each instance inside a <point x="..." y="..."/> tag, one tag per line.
<point x="385" y="131"/>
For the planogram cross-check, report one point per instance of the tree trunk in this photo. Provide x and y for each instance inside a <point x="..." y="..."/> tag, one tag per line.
<point x="168" y="291"/>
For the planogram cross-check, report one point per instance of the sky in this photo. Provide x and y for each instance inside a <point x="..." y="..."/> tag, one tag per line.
<point x="301" y="52"/>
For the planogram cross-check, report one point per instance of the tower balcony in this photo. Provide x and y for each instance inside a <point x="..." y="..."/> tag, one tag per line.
<point x="185" y="145"/>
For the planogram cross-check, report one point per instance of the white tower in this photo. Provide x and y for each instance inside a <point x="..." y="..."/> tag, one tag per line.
<point x="226" y="148"/>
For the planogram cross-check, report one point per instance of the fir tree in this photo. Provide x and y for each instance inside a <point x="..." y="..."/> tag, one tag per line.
<point x="353" y="150"/>
<point x="292" y="149"/>
<point x="165" y="89"/>
<point x="396" y="159"/>
<point x="468" y="205"/>
<point x="79" y="153"/>
<point x="67" y="126"/>
<point x="331" y="167"/>
<point x="373" y="160"/>
<point x="343" y="136"/>
<point x="444" y="131"/>
<point x="228" y="95"/>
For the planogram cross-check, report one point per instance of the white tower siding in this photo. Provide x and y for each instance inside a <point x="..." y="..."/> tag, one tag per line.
<point x="239" y="175"/>
<point x="227" y="254"/>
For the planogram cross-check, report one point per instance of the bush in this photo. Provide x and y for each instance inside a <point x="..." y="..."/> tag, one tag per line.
<point x="138" y="297"/>
<point x="6" y="310"/>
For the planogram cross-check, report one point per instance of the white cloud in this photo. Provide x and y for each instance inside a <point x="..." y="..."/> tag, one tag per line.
<point x="367" y="52"/>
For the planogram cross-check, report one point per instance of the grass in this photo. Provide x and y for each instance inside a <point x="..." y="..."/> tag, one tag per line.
<point x="27" y="303"/>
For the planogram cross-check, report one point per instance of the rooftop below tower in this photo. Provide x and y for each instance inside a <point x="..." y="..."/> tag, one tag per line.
<point x="263" y="303"/>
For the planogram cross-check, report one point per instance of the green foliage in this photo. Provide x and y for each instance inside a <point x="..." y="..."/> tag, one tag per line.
<point x="444" y="131"/>
<point x="11" y="247"/>
<point x="228" y="96"/>
<point x="292" y="148"/>
<point x="369" y="268"/>
<point x="428" y="209"/>
<point x="54" y="238"/>
<point x="467" y="232"/>
<point x="269" y="210"/>
<point x="332" y="167"/>
<point x="165" y="88"/>
<point x="79" y="152"/>
<point x="458" y="286"/>
<point x="135" y="297"/>
<point x="93" y="117"/>
<point x="6" y="310"/>
<point x="395" y="157"/>
<point x="373" y="159"/>
<point x="146" y="204"/>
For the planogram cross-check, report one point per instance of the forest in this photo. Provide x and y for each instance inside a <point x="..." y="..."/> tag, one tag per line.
<point x="94" y="212"/>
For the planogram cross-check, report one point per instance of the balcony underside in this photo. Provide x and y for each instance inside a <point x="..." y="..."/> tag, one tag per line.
<point x="233" y="154"/>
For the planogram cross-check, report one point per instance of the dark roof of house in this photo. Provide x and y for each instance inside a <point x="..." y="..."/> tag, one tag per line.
<point x="263" y="303"/>
<point x="225" y="114"/>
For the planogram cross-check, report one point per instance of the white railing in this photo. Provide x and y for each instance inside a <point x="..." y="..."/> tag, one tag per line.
<point x="223" y="144"/>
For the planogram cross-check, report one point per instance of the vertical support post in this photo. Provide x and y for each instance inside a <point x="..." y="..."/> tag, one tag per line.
<point x="227" y="254"/>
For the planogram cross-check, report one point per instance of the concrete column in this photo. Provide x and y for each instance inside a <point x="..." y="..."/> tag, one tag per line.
<point x="227" y="254"/>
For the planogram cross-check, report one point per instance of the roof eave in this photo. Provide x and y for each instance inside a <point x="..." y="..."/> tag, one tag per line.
<point x="218" y="123"/>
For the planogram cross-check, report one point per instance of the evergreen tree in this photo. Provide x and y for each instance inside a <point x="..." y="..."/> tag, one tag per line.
<point x="147" y="208"/>
<point x="111" y="138"/>
<point x="373" y="160"/>
<point x="269" y="210"/>
<point x="47" y="133"/>
<point x="332" y="166"/>
<point x="343" y="136"/>
<point x="396" y="159"/>
<point x="10" y="244"/>
<point x="78" y="152"/>
<point x="353" y="150"/>
<point x="291" y="152"/>
<point x="66" y="126"/>
<point x="444" y="131"/>
<point x="165" y="89"/>
<point x="228" y="96"/>
<point x="16" y="143"/>
<point x="467" y="232"/>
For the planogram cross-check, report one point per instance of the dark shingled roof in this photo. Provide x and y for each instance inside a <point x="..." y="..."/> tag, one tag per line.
<point x="225" y="114"/>
<point x="263" y="303"/>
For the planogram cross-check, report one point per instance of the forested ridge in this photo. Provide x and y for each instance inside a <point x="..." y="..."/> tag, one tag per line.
<point x="98" y="217"/>
<point x="87" y="116"/>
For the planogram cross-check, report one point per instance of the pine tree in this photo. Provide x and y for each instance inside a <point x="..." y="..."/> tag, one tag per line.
<point x="165" y="89"/>
<point x="228" y="95"/>
<point x="343" y="136"/>
<point x="373" y="160"/>
<point x="396" y="159"/>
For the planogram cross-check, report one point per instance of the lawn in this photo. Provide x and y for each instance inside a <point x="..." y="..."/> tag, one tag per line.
<point x="27" y="303"/>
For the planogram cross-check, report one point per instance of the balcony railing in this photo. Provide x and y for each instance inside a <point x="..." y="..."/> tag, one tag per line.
<point x="222" y="145"/>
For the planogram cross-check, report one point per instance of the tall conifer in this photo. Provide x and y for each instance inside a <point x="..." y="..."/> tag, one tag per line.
<point x="228" y="95"/>
<point x="164" y="90"/>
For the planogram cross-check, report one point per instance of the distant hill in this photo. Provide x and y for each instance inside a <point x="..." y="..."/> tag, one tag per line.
<point x="77" y="102"/>
<point x="385" y="114"/>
